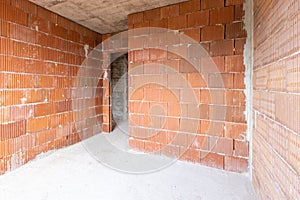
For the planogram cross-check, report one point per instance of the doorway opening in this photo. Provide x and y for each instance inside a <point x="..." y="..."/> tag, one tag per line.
<point x="119" y="86"/>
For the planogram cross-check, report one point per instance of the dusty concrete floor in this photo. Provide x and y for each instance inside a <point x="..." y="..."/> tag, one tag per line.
<point x="100" y="168"/>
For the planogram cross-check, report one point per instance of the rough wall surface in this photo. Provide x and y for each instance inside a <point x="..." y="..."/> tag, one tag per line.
<point x="40" y="55"/>
<point x="276" y="99"/>
<point x="162" y="119"/>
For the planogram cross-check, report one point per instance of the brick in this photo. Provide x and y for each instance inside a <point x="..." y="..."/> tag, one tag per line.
<point x="238" y="81"/>
<point x="169" y="96"/>
<point x="175" y="52"/>
<point x="212" y="64"/>
<point x="199" y="142"/>
<point x="209" y="33"/>
<point x="190" y="125"/>
<point x="21" y="112"/>
<point x="156" y="122"/>
<point x="293" y="74"/>
<point x="137" y="94"/>
<point x="221" y="113"/>
<point x="154" y="14"/>
<point x="137" y="144"/>
<point x="152" y="147"/>
<point x="238" y="114"/>
<point x="152" y="94"/>
<point x="187" y="67"/>
<point x="44" y="82"/>
<point x="234" y="2"/>
<point x="59" y="121"/>
<point x="205" y="46"/>
<point x="204" y="111"/>
<point x="46" y="14"/>
<point x="189" y="6"/>
<point x="190" y="155"/>
<point x="212" y="128"/>
<point x="223" y="80"/>
<point x="17" y="16"/>
<point x="59" y="31"/>
<point x="200" y="18"/>
<point x="145" y="25"/>
<point x="189" y="95"/>
<point x="234" y="63"/>
<point x="26" y="6"/>
<point x="174" y="109"/>
<point x="162" y="23"/>
<point x="138" y="107"/>
<point x="235" y="98"/>
<point x="44" y="109"/>
<point x="221" y="145"/>
<point x="20" y="81"/>
<point x="235" y="131"/>
<point x="170" y="151"/>
<point x="12" y="130"/>
<point x="239" y="12"/>
<point x="141" y="55"/>
<point x="212" y="160"/>
<point x="39" y="23"/>
<point x="170" y="11"/>
<point x="177" y="23"/>
<point x="236" y="164"/>
<point x="178" y="139"/>
<point x="217" y="97"/>
<point x="34" y="96"/>
<point x="172" y="124"/>
<point x="4" y="28"/>
<point x="159" y="137"/>
<point x="205" y="96"/>
<point x="222" y="48"/>
<point x="62" y="106"/>
<point x="74" y="36"/>
<point x="193" y="33"/>
<point x="158" y="54"/>
<point x="37" y="124"/>
<point x="196" y="81"/>
<point x="207" y="4"/>
<point x="241" y="148"/>
<point x="64" y="22"/>
<point x="4" y="114"/>
<point x="235" y="30"/>
<point x="222" y="15"/>
<point x="135" y="18"/>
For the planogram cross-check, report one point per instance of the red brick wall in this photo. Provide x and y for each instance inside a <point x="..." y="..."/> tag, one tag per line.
<point x="159" y="114"/>
<point x="276" y="99"/>
<point x="40" y="55"/>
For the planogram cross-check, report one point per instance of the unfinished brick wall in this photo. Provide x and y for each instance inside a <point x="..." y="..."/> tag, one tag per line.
<point x="276" y="99"/>
<point x="158" y="115"/>
<point x="40" y="55"/>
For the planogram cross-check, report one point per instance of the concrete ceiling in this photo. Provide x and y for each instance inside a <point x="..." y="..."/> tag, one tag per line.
<point x="103" y="16"/>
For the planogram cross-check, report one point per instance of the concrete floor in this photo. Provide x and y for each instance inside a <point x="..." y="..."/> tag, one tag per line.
<point x="103" y="167"/>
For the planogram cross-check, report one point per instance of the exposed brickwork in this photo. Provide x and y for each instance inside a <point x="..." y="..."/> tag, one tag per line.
<point x="167" y="119"/>
<point x="40" y="55"/>
<point x="276" y="99"/>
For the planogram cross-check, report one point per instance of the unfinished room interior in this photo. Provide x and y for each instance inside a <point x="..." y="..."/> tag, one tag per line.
<point x="154" y="100"/>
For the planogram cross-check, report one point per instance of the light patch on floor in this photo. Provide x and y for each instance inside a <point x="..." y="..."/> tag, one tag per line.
<point x="73" y="173"/>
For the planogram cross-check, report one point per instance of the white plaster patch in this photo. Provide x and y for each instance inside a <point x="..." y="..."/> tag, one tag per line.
<point x="86" y="50"/>
<point x="23" y="100"/>
<point x="248" y="61"/>
<point x="105" y="75"/>
<point x="15" y="161"/>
